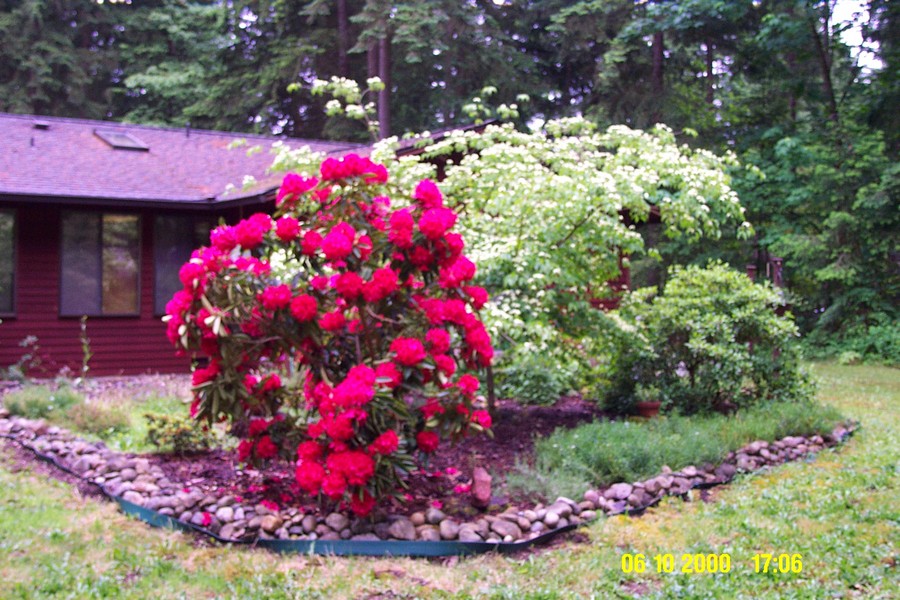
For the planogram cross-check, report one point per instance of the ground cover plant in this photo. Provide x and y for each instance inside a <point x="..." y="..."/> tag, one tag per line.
<point x="838" y="511"/>
<point x="604" y="452"/>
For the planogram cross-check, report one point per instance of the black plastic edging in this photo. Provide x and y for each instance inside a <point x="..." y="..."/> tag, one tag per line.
<point x="323" y="547"/>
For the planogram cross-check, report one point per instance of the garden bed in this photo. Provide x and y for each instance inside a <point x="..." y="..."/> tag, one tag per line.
<point x="209" y="492"/>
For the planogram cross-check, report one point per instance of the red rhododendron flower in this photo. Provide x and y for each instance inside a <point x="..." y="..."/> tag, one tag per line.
<point x="401" y="227"/>
<point x="332" y="321"/>
<point x="431" y="408"/>
<point x="336" y="245"/>
<point x="427" y="441"/>
<point x="309" y="475"/>
<point x="339" y="428"/>
<point x="309" y="450"/>
<point x="421" y="257"/>
<point x="202" y="375"/>
<point x="223" y="238"/>
<point x="384" y="282"/>
<point x="483" y="418"/>
<point x="319" y="283"/>
<point x="459" y="272"/>
<point x="355" y="466"/>
<point x="266" y="448"/>
<point x="428" y="194"/>
<point x="334" y="485"/>
<point x="304" y="308"/>
<point x="362" y="506"/>
<point x="436" y="221"/>
<point x="445" y="364"/>
<point x="292" y="186"/>
<point x="287" y="229"/>
<point x="468" y="385"/>
<point x="439" y="340"/>
<point x="244" y="449"/>
<point x="191" y="275"/>
<point x="249" y="233"/>
<point x="275" y="297"/>
<point x="205" y="519"/>
<point x="386" y="443"/>
<point x="478" y="295"/>
<point x="349" y="285"/>
<point x="388" y="375"/>
<point x="257" y="426"/>
<point x="409" y="351"/>
<point x="312" y="240"/>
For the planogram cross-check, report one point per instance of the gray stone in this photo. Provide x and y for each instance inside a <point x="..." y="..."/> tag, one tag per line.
<point x="199" y="517"/>
<point x="402" y="529"/>
<point x="239" y="513"/>
<point x="592" y="496"/>
<point x="434" y="515"/>
<point x="128" y="474"/>
<point x="429" y="533"/>
<point x="551" y="519"/>
<point x="680" y="486"/>
<point x="588" y="515"/>
<point x="346" y="534"/>
<point x="337" y="521"/>
<point x="505" y="528"/>
<point x="725" y="471"/>
<point x="618" y="491"/>
<point x="309" y="523"/>
<point x="689" y="471"/>
<point x="231" y="531"/>
<point x="417" y="518"/>
<point x="366" y="537"/>
<point x="538" y="527"/>
<point x="225" y="514"/>
<point x="563" y="509"/>
<point x="469" y="534"/>
<point x="449" y="529"/>
<point x="134" y="498"/>
<point x="270" y="523"/>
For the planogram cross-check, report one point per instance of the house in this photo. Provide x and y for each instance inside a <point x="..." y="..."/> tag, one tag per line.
<point x="97" y="217"/>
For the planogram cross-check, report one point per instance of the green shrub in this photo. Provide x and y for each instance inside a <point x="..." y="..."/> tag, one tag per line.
<point x="100" y="419"/>
<point x="571" y="460"/>
<point x="177" y="433"/>
<point x="39" y="402"/>
<point x="712" y="341"/>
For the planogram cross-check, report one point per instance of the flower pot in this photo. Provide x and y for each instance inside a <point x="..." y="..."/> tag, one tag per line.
<point x="648" y="409"/>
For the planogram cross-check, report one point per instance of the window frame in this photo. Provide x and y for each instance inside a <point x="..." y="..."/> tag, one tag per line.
<point x="14" y="259"/>
<point x="138" y="286"/>
<point x="195" y="219"/>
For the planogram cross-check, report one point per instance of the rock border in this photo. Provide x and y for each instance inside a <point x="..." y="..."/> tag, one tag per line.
<point x="136" y="481"/>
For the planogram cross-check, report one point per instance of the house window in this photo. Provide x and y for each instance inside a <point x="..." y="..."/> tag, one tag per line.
<point x="100" y="264"/>
<point x="7" y="262"/>
<point x="175" y="237"/>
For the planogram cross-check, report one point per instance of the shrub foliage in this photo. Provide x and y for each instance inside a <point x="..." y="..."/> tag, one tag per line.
<point x="712" y="341"/>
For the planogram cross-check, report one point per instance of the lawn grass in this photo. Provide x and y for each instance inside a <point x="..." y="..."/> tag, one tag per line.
<point x="839" y="511"/>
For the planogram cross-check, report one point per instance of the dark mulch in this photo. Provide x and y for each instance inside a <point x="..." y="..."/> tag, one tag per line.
<point x="441" y="482"/>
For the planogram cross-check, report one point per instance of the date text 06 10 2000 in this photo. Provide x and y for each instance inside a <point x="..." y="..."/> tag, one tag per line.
<point x="710" y="563"/>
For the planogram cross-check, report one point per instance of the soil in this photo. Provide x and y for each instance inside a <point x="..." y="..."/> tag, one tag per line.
<point x="443" y="482"/>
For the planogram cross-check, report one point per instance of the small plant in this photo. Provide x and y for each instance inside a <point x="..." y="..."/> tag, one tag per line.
<point x="647" y="393"/>
<point x="178" y="433"/>
<point x="39" y="402"/>
<point x="100" y="419"/>
<point x="31" y="359"/>
<point x="86" y="352"/>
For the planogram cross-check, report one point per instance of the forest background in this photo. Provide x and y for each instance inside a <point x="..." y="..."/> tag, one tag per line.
<point x="810" y="111"/>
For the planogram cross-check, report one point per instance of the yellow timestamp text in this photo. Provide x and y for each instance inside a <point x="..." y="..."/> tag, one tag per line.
<point x="698" y="563"/>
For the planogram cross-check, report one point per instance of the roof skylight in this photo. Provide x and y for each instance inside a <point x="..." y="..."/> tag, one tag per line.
<point x="121" y="140"/>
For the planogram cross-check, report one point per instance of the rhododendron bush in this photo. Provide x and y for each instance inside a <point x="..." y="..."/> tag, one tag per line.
<point x="351" y="357"/>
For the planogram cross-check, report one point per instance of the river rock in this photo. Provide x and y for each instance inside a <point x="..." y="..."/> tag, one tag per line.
<point x="225" y="514"/>
<point x="428" y="533"/>
<point x="434" y="515"/>
<point x="505" y="528"/>
<point x="618" y="491"/>
<point x="337" y="521"/>
<point x="402" y="529"/>
<point x="270" y="523"/>
<point x="551" y="519"/>
<point x="468" y="533"/>
<point x="449" y="529"/>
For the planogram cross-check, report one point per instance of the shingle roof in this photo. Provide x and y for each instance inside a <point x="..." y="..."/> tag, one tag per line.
<point x="59" y="158"/>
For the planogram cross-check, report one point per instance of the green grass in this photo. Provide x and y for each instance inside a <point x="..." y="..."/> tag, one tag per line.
<point x="572" y="460"/>
<point x="839" y="511"/>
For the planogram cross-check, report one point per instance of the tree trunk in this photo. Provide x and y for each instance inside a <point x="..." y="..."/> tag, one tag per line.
<point x="658" y="49"/>
<point x="384" y="96"/>
<point x="710" y="79"/>
<point x="343" y="38"/>
<point x="825" y="66"/>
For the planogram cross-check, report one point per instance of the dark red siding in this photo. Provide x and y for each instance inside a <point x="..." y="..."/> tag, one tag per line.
<point x="121" y="345"/>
